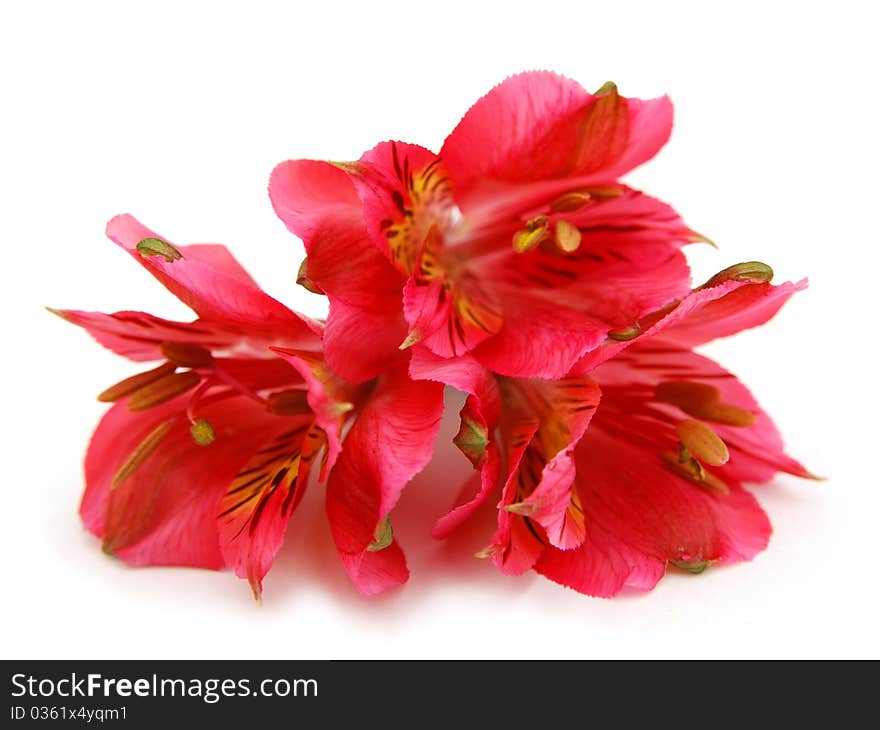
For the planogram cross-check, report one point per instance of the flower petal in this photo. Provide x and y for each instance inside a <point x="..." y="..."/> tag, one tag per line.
<point x="216" y="295"/>
<point x="757" y="452"/>
<point x="163" y="512"/>
<point x="539" y="485"/>
<point x="556" y="306"/>
<point x="375" y="572"/>
<point x="389" y="443"/>
<point x="365" y="326"/>
<point x="310" y="196"/>
<point x="450" y="319"/>
<point x="330" y="399"/>
<point x="538" y="125"/>
<point x="640" y="515"/>
<point x="318" y="202"/>
<point x="139" y="336"/>
<point x="479" y="421"/>
<point x="743" y="308"/>
<point x="216" y="256"/>
<point x="706" y="313"/>
<point x="404" y="192"/>
<point x="540" y="339"/>
<point x="258" y="502"/>
<point x="518" y="542"/>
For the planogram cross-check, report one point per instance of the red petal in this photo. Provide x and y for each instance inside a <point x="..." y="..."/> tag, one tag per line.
<point x="545" y="475"/>
<point x="217" y="295"/>
<point x="558" y="306"/>
<point x="310" y="196"/>
<point x="450" y="321"/>
<point x="374" y="573"/>
<point x="517" y="543"/>
<point x="639" y="515"/>
<point x="139" y="336"/>
<point x="741" y="309"/>
<point x="538" y="126"/>
<point x="756" y="451"/>
<point x="483" y="408"/>
<point x="703" y="315"/>
<point x="257" y="504"/>
<point x="318" y="202"/>
<point x="365" y="326"/>
<point x="540" y="339"/>
<point x="389" y="183"/>
<point x="329" y="397"/>
<point x="164" y="512"/>
<point x="389" y="443"/>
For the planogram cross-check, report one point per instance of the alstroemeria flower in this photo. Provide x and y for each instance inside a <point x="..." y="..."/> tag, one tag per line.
<point x="517" y="244"/>
<point x="658" y="476"/>
<point x="202" y="459"/>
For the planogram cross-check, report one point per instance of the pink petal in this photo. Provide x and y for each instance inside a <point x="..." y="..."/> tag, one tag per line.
<point x="540" y="339"/>
<point x="498" y="138"/>
<point x="139" y="336"/>
<point x="640" y="515"/>
<point x="517" y="543"/>
<point x="602" y="566"/>
<point x="376" y="572"/>
<point x="538" y="126"/>
<point x="450" y="322"/>
<point x="703" y="315"/>
<point x="483" y="409"/>
<point x="389" y="443"/>
<point x="257" y="504"/>
<point x="218" y="257"/>
<point x="650" y="125"/>
<point x="556" y="307"/>
<point x="359" y="344"/>
<point x="365" y="326"/>
<point x="545" y="477"/>
<point x="318" y="202"/>
<point x="214" y="294"/>
<point x="741" y="309"/>
<point x="164" y="512"/>
<point x="757" y="452"/>
<point x="329" y="397"/>
<point x="310" y="196"/>
<point x="117" y="435"/>
<point x="385" y="178"/>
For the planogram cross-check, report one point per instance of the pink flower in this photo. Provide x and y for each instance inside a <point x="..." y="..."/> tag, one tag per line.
<point x="657" y="477"/>
<point x="513" y="266"/>
<point x="517" y="244"/>
<point x="202" y="459"/>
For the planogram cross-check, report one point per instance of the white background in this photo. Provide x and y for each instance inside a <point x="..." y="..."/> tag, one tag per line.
<point x="177" y="113"/>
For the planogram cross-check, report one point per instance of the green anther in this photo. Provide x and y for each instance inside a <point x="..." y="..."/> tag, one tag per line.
<point x="753" y="272"/>
<point x="383" y="536"/>
<point x="472" y="440"/>
<point x="141" y="452"/>
<point x="158" y="247"/>
<point x="625" y="334"/>
<point x="302" y="278"/>
<point x="202" y="432"/>
<point x="695" y="567"/>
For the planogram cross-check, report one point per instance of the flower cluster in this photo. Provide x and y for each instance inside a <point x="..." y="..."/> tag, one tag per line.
<point x="513" y="266"/>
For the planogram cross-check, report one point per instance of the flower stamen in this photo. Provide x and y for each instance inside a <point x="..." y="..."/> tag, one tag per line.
<point x="703" y="401"/>
<point x="131" y="384"/>
<point x="140" y="453"/>
<point x="568" y="237"/>
<point x="535" y="232"/>
<point x="187" y="354"/>
<point x="162" y="390"/>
